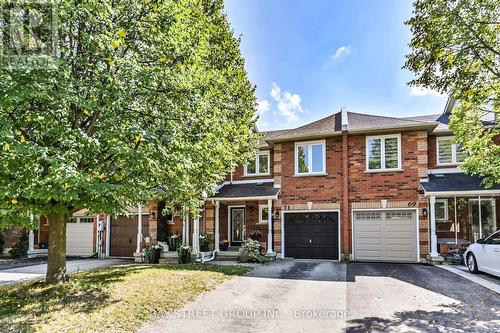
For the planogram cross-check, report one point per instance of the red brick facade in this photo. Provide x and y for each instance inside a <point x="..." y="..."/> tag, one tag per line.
<point x="346" y="185"/>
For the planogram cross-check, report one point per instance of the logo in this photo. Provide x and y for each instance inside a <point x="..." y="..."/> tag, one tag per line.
<point x="28" y="34"/>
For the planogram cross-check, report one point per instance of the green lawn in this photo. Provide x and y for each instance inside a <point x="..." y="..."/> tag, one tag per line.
<point x="107" y="300"/>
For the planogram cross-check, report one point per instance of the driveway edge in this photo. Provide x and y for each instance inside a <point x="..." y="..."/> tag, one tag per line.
<point x="476" y="279"/>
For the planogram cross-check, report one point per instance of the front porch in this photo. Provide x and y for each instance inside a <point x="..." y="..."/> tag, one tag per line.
<point x="461" y="211"/>
<point x="236" y="211"/>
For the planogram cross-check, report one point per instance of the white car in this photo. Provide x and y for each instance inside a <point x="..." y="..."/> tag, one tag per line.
<point x="484" y="255"/>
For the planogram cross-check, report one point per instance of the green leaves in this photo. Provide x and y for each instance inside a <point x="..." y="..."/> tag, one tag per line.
<point x="165" y="112"/>
<point x="456" y="50"/>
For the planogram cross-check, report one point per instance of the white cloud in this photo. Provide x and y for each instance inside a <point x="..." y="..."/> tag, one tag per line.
<point x="263" y="106"/>
<point x="288" y="103"/>
<point x="420" y="91"/>
<point x="342" y="51"/>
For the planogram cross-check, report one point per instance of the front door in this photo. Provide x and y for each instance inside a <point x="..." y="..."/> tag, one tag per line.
<point x="237" y="225"/>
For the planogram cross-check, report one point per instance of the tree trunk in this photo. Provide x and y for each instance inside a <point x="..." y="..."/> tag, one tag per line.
<point x="56" y="261"/>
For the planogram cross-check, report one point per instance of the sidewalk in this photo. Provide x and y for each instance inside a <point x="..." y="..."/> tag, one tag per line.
<point x="15" y="275"/>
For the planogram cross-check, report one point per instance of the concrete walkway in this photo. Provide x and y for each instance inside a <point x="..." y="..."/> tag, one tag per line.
<point x="15" y="275"/>
<point x="488" y="281"/>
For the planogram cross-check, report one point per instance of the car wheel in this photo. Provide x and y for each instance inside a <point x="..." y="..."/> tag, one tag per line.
<point x="472" y="263"/>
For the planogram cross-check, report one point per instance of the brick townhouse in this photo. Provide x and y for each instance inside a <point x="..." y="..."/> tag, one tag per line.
<point x="359" y="187"/>
<point x="349" y="186"/>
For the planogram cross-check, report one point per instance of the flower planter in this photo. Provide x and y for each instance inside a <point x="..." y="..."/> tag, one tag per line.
<point x="184" y="257"/>
<point x="204" y="248"/>
<point x="155" y="258"/>
<point x="224" y="246"/>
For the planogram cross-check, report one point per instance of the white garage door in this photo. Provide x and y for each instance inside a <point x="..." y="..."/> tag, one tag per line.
<point x="385" y="235"/>
<point x="79" y="237"/>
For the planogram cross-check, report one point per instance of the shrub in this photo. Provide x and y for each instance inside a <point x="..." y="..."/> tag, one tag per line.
<point x="21" y="248"/>
<point x="250" y="252"/>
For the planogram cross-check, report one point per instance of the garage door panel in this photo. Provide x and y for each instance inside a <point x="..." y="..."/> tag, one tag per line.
<point x="123" y="241"/>
<point x="79" y="239"/>
<point x="367" y="227"/>
<point x="385" y="236"/>
<point x="316" y="236"/>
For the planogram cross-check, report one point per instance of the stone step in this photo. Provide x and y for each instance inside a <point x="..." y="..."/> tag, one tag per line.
<point x="227" y="255"/>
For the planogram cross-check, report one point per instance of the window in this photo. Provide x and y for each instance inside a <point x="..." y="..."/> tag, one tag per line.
<point x="263" y="214"/>
<point x="383" y="153"/>
<point x="449" y="152"/>
<point x="399" y="215"/>
<point x="441" y="209"/>
<point x="368" y="216"/>
<point x="494" y="239"/>
<point x="81" y="220"/>
<point x="310" y="158"/>
<point x="260" y="166"/>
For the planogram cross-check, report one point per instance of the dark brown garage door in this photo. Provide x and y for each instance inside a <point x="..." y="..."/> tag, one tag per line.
<point x="312" y="235"/>
<point x="124" y="234"/>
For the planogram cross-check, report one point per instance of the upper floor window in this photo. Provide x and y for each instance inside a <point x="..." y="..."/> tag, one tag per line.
<point x="310" y="158"/>
<point x="259" y="166"/>
<point x="383" y="152"/>
<point x="449" y="152"/>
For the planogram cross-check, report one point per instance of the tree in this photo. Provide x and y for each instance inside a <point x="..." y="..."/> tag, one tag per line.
<point x="456" y="50"/>
<point x="146" y="98"/>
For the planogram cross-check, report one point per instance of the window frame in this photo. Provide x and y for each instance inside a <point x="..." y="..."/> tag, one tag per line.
<point x="309" y="145"/>
<point x="256" y="162"/>
<point x="382" y="153"/>
<point x="454" y="147"/>
<point x="445" y="218"/>
<point x="261" y="208"/>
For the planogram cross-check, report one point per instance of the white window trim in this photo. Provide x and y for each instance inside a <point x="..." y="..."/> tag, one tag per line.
<point x="263" y="222"/>
<point x="382" y="152"/>
<point x="445" y="201"/>
<point x="309" y="149"/>
<point x="454" y="147"/>
<point x="78" y="219"/>
<point x="256" y="161"/>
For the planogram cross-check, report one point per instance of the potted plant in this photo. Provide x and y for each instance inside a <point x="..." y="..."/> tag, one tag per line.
<point x="174" y="242"/>
<point x="184" y="253"/>
<point x="224" y="244"/>
<point x="152" y="253"/>
<point x="205" y="241"/>
<point x="255" y="235"/>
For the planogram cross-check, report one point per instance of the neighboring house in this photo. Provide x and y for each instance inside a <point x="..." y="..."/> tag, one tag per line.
<point x="348" y="186"/>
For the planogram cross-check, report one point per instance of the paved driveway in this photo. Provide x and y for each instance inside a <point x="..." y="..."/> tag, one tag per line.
<point x="323" y="296"/>
<point x="14" y="275"/>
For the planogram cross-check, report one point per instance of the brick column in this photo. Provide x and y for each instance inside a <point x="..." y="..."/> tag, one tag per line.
<point x="276" y="222"/>
<point x="153" y="219"/>
<point x="345" y="213"/>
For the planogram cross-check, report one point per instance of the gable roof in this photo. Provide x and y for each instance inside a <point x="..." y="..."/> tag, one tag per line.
<point x="360" y="122"/>
<point x="357" y="123"/>
<point x="328" y="126"/>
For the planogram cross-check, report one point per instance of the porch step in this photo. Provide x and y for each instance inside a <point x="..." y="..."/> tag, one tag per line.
<point x="227" y="255"/>
<point x="169" y="258"/>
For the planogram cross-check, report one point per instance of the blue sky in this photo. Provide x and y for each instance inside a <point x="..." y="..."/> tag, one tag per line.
<point x="309" y="58"/>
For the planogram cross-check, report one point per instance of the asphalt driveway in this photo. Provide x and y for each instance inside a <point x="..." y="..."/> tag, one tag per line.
<point x="324" y="296"/>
